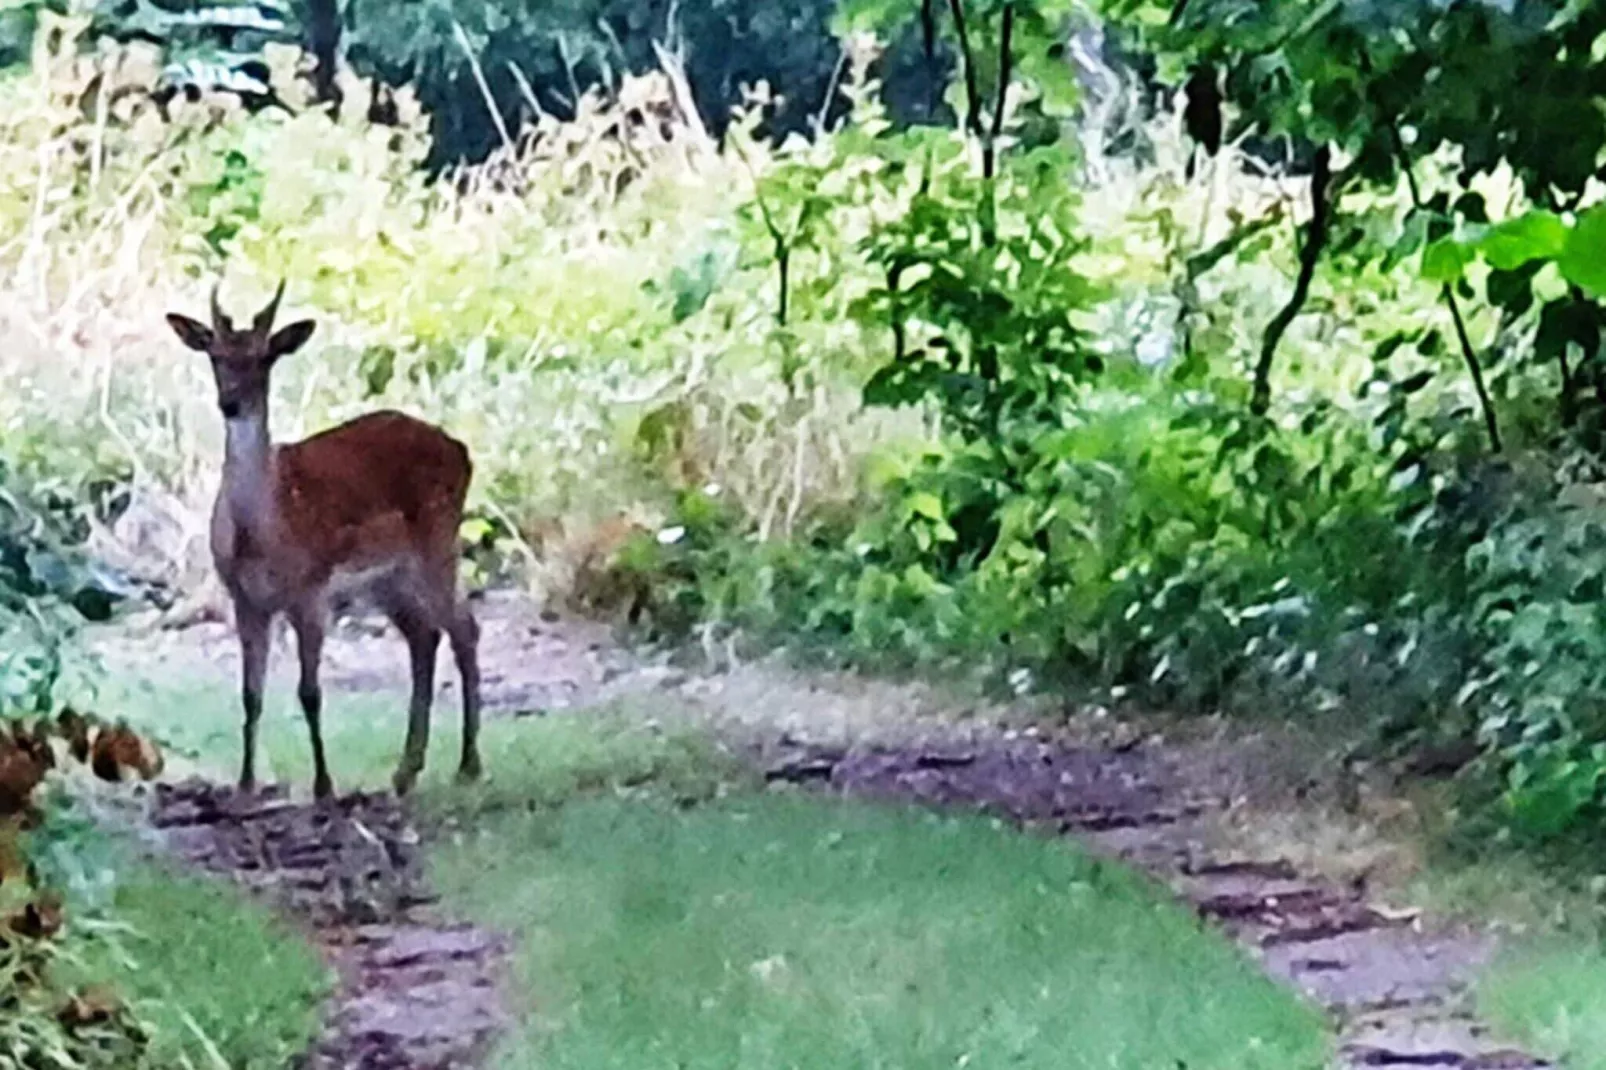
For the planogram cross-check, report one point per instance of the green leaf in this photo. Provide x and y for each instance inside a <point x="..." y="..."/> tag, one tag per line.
<point x="877" y="15"/>
<point x="1444" y="261"/>
<point x="924" y="503"/>
<point x="1583" y="259"/>
<point x="1416" y="382"/>
<point x="1538" y="235"/>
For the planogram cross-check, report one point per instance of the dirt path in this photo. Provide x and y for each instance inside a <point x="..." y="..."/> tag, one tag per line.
<point x="415" y="993"/>
<point x="1394" y="983"/>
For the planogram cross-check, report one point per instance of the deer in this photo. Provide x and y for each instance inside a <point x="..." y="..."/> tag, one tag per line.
<point x="367" y="510"/>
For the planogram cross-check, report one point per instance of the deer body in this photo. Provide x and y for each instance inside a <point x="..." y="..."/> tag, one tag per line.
<point x="369" y="509"/>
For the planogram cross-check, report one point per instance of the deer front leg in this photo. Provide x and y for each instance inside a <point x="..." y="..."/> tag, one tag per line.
<point x="423" y="642"/>
<point x="310" y="623"/>
<point x="253" y="630"/>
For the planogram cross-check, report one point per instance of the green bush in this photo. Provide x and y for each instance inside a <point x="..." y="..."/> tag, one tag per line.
<point x="995" y="398"/>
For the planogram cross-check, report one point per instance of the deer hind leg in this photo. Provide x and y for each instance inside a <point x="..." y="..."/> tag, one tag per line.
<point x="252" y="627"/>
<point x="310" y="624"/>
<point x="423" y="641"/>
<point x="464" y="632"/>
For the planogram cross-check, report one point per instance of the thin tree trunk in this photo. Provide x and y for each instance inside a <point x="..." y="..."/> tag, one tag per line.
<point x="1309" y="254"/>
<point x="323" y="41"/>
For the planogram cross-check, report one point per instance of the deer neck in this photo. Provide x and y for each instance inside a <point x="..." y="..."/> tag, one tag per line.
<point x="248" y="476"/>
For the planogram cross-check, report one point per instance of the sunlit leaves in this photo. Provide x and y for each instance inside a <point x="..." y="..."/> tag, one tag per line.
<point x="1534" y="236"/>
<point x="1583" y="258"/>
<point x="1578" y="251"/>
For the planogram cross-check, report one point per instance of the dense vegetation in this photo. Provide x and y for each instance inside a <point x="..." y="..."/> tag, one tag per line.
<point x="1280" y="388"/>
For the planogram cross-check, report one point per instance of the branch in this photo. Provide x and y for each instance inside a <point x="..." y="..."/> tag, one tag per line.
<point x="830" y="90"/>
<point x="972" y="93"/>
<point x="1005" y="61"/>
<point x="1469" y="355"/>
<point x="780" y="239"/>
<point x="928" y="33"/>
<point x="1309" y="254"/>
<point x="900" y="332"/>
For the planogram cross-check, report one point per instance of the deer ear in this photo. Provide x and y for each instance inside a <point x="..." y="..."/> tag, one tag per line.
<point x="287" y="340"/>
<point x="197" y="336"/>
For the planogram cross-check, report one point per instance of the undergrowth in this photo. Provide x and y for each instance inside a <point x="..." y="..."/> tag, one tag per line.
<point x="106" y="962"/>
<point x="996" y="399"/>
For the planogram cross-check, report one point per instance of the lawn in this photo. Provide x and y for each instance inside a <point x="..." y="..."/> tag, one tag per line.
<point x="667" y="911"/>
<point x="173" y="946"/>
<point x="1553" y="995"/>
<point x="778" y="931"/>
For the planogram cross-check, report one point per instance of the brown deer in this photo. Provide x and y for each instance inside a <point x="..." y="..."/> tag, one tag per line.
<point x="368" y="509"/>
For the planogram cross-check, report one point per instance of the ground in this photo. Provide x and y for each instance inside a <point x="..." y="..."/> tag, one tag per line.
<point x="1220" y="819"/>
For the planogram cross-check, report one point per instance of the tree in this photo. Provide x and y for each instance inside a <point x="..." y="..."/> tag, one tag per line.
<point x="1388" y="85"/>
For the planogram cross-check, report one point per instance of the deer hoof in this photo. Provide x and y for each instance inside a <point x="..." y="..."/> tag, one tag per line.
<point x="322" y="788"/>
<point x="470" y="771"/>
<point x="403" y="780"/>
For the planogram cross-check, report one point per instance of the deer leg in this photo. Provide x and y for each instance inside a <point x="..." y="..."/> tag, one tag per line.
<point x="310" y="624"/>
<point x="423" y="641"/>
<point x="464" y="633"/>
<point x="252" y="627"/>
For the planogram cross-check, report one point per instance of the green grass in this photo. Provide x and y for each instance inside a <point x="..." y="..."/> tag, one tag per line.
<point x="220" y="980"/>
<point x="665" y="913"/>
<point x="773" y="931"/>
<point x="528" y="761"/>
<point x="214" y="976"/>
<point x="1552" y="995"/>
<point x="1547" y="988"/>
<point x="199" y="718"/>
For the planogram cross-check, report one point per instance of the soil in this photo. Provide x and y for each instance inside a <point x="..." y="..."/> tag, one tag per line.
<point x="420" y="993"/>
<point x="414" y="992"/>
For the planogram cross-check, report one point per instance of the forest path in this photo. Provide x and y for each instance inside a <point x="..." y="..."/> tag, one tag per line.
<point x="419" y="994"/>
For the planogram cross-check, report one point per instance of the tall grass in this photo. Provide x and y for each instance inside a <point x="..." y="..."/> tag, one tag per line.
<point x="594" y="276"/>
<point x="528" y="304"/>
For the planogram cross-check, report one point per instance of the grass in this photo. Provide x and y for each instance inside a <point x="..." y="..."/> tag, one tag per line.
<point x="175" y="951"/>
<point x="1553" y="995"/>
<point x="198" y="719"/>
<point x="665" y="912"/>
<point x="628" y="914"/>
<point x="537" y="762"/>
<point x="774" y="931"/>
<point x="1547" y="988"/>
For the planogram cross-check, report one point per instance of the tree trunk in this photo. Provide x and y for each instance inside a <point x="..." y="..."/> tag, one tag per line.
<point x="323" y="41"/>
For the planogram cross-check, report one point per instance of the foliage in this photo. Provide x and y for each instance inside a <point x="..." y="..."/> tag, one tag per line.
<point x="486" y="69"/>
<point x="1149" y="534"/>
<point x="1501" y="101"/>
<point x="47" y="1023"/>
<point x="988" y="395"/>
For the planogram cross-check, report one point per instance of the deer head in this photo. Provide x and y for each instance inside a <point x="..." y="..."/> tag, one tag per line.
<point x="242" y="359"/>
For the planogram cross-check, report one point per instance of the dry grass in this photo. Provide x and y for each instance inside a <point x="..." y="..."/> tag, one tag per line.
<point x="527" y="303"/>
<point x="522" y="304"/>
